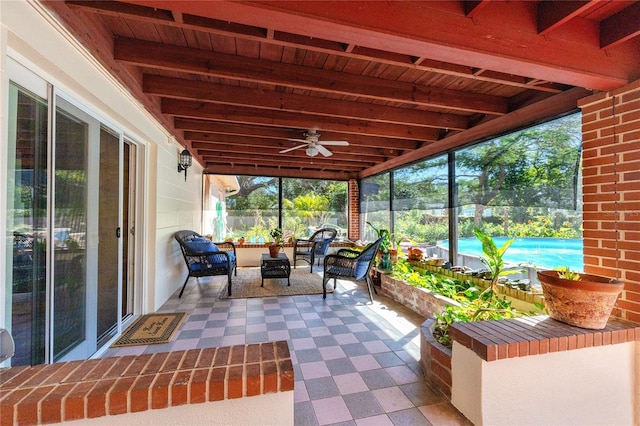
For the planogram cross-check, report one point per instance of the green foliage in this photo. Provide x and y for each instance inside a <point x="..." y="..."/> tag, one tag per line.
<point x="385" y="245"/>
<point x="478" y="309"/>
<point x="277" y="235"/>
<point x="493" y="258"/>
<point x="474" y="304"/>
<point x="567" y="274"/>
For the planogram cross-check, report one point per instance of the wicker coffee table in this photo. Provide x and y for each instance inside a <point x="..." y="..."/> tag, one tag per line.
<point x="275" y="267"/>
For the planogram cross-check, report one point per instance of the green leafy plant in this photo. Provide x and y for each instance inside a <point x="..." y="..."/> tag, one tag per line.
<point x="493" y="258"/>
<point x="567" y="274"/>
<point x="385" y="245"/>
<point x="478" y="306"/>
<point x="277" y="235"/>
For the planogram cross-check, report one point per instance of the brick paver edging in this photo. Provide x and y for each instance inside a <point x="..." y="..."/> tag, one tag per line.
<point x="53" y="393"/>
<point x="524" y="336"/>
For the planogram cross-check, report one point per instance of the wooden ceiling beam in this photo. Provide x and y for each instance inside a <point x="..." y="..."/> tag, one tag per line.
<point x="244" y="115"/>
<point x="473" y="7"/>
<point x="282" y="38"/>
<point x="279" y="101"/>
<point x="620" y="27"/>
<point x="224" y="168"/>
<point x="204" y="141"/>
<point x="548" y="107"/>
<point x="290" y="161"/>
<point x="424" y="29"/>
<point x="294" y="158"/>
<point x="222" y="128"/>
<point x="181" y="59"/>
<point x="553" y="14"/>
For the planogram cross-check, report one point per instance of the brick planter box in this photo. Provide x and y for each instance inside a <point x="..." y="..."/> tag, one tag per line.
<point x="435" y="359"/>
<point x="417" y="299"/>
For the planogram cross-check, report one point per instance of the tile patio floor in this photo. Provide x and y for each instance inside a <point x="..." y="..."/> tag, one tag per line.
<point x="355" y="363"/>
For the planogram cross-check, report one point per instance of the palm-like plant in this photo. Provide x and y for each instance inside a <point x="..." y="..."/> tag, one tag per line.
<point x="493" y="258"/>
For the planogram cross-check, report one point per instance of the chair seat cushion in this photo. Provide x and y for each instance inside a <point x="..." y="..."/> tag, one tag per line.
<point x="216" y="261"/>
<point x="220" y="260"/>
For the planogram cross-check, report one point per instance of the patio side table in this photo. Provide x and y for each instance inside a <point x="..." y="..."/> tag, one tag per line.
<point x="275" y="267"/>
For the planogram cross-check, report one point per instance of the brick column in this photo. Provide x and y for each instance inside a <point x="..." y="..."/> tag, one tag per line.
<point x="354" y="210"/>
<point x="611" y="187"/>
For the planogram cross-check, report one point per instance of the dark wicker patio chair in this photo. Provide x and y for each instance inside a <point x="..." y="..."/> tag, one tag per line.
<point x="313" y="248"/>
<point x="205" y="258"/>
<point x="350" y="265"/>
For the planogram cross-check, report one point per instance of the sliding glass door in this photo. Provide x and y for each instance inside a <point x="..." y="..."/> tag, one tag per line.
<point x="69" y="283"/>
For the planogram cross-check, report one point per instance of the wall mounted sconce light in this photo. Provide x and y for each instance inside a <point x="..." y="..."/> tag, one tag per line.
<point x="184" y="162"/>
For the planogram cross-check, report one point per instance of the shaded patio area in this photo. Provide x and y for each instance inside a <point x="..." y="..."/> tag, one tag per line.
<point x="355" y="363"/>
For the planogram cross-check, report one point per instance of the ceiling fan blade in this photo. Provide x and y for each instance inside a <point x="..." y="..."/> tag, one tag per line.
<point x="299" y="140"/>
<point x="291" y="149"/>
<point x="334" y="143"/>
<point x="324" y="151"/>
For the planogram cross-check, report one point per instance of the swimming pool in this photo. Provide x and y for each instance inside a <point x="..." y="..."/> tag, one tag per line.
<point x="547" y="253"/>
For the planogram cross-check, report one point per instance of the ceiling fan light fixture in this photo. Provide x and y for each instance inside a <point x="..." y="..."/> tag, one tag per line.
<point x="312" y="151"/>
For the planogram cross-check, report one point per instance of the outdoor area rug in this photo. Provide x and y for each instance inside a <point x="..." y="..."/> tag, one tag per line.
<point x="151" y="329"/>
<point x="247" y="284"/>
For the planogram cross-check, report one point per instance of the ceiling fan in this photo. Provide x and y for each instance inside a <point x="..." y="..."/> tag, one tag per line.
<point x="313" y="145"/>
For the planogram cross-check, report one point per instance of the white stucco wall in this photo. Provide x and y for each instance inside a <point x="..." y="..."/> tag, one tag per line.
<point x="589" y="386"/>
<point x="35" y="39"/>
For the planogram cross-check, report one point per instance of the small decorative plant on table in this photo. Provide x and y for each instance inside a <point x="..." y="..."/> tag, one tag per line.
<point x="582" y="300"/>
<point x="277" y="243"/>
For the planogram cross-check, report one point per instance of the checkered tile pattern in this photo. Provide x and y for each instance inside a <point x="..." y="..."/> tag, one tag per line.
<point x="355" y="363"/>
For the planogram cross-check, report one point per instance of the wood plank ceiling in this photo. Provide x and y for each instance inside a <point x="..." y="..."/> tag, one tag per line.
<point x="234" y="81"/>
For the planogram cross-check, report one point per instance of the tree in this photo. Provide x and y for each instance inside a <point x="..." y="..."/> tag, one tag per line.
<point x="534" y="167"/>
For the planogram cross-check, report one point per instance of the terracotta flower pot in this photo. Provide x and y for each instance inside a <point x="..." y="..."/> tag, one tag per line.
<point x="274" y="251"/>
<point x="585" y="303"/>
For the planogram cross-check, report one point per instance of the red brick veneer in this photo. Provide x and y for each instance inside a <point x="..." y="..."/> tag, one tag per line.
<point x="435" y="359"/>
<point x="611" y="188"/>
<point x="52" y="393"/>
<point x="525" y="336"/>
<point x="354" y="210"/>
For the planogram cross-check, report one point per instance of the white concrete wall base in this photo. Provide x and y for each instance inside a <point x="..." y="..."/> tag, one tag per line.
<point x="589" y="386"/>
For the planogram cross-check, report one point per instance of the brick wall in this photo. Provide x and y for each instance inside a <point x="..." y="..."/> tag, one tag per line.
<point x="435" y="359"/>
<point x="354" y="210"/>
<point x="611" y="185"/>
<point x="77" y="390"/>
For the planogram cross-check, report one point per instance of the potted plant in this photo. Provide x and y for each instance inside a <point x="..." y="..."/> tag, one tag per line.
<point x="583" y="300"/>
<point x="277" y="243"/>
<point x="384" y="259"/>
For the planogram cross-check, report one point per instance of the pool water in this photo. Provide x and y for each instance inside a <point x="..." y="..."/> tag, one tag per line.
<point x="548" y="253"/>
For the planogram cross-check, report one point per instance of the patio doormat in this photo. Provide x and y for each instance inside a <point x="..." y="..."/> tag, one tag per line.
<point x="151" y="329"/>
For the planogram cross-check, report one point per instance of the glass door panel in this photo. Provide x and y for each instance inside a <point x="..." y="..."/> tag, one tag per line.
<point x="108" y="236"/>
<point x="128" y="235"/>
<point x="70" y="230"/>
<point x="27" y="224"/>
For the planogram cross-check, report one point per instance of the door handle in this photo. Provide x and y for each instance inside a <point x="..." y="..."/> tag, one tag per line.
<point x="118" y="232"/>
